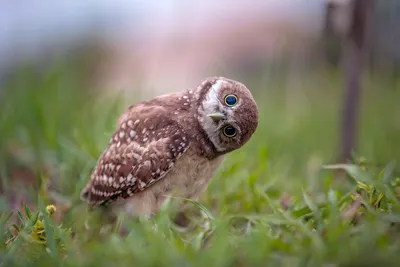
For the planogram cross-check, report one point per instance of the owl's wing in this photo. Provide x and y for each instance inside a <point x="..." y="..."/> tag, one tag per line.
<point x="140" y="153"/>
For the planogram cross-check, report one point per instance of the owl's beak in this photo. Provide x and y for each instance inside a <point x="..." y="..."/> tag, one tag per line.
<point x="216" y="116"/>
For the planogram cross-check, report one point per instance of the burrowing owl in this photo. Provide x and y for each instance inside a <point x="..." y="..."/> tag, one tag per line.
<point x="172" y="145"/>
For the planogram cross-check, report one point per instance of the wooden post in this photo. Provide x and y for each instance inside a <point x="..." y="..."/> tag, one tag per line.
<point x="353" y="52"/>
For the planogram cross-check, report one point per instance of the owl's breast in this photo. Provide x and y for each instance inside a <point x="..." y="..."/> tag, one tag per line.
<point x="188" y="178"/>
<point x="192" y="174"/>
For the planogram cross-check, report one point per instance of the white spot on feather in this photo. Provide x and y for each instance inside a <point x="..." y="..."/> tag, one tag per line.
<point x="147" y="163"/>
<point x="130" y="193"/>
<point x="111" y="166"/>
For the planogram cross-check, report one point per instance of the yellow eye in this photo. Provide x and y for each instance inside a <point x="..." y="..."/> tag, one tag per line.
<point x="229" y="131"/>
<point x="230" y="100"/>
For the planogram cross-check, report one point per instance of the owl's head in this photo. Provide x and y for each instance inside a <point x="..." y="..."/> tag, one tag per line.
<point x="227" y="113"/>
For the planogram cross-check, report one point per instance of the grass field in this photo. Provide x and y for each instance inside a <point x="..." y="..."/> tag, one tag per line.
<point x="271" y="204"/>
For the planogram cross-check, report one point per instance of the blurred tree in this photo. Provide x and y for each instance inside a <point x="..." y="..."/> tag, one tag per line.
<point x="331" y="38"/>
<point x="383" y="55"/>
<point x="384" y="51"/>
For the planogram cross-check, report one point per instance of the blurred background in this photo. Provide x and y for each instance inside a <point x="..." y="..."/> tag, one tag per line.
<point x="68" y="68"/>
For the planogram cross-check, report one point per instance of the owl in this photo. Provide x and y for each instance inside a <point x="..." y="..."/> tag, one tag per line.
<point x="171" y="145"/>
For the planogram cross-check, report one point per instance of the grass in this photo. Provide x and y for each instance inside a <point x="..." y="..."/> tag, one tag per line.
<point x="271" y="204"/>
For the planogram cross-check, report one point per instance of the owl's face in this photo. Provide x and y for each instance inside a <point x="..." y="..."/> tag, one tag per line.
<point x="227" y="113"/>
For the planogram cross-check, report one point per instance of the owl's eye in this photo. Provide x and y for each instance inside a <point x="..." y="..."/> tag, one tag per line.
<point x="230" y="100"/>
<point x="229" y="131"/>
